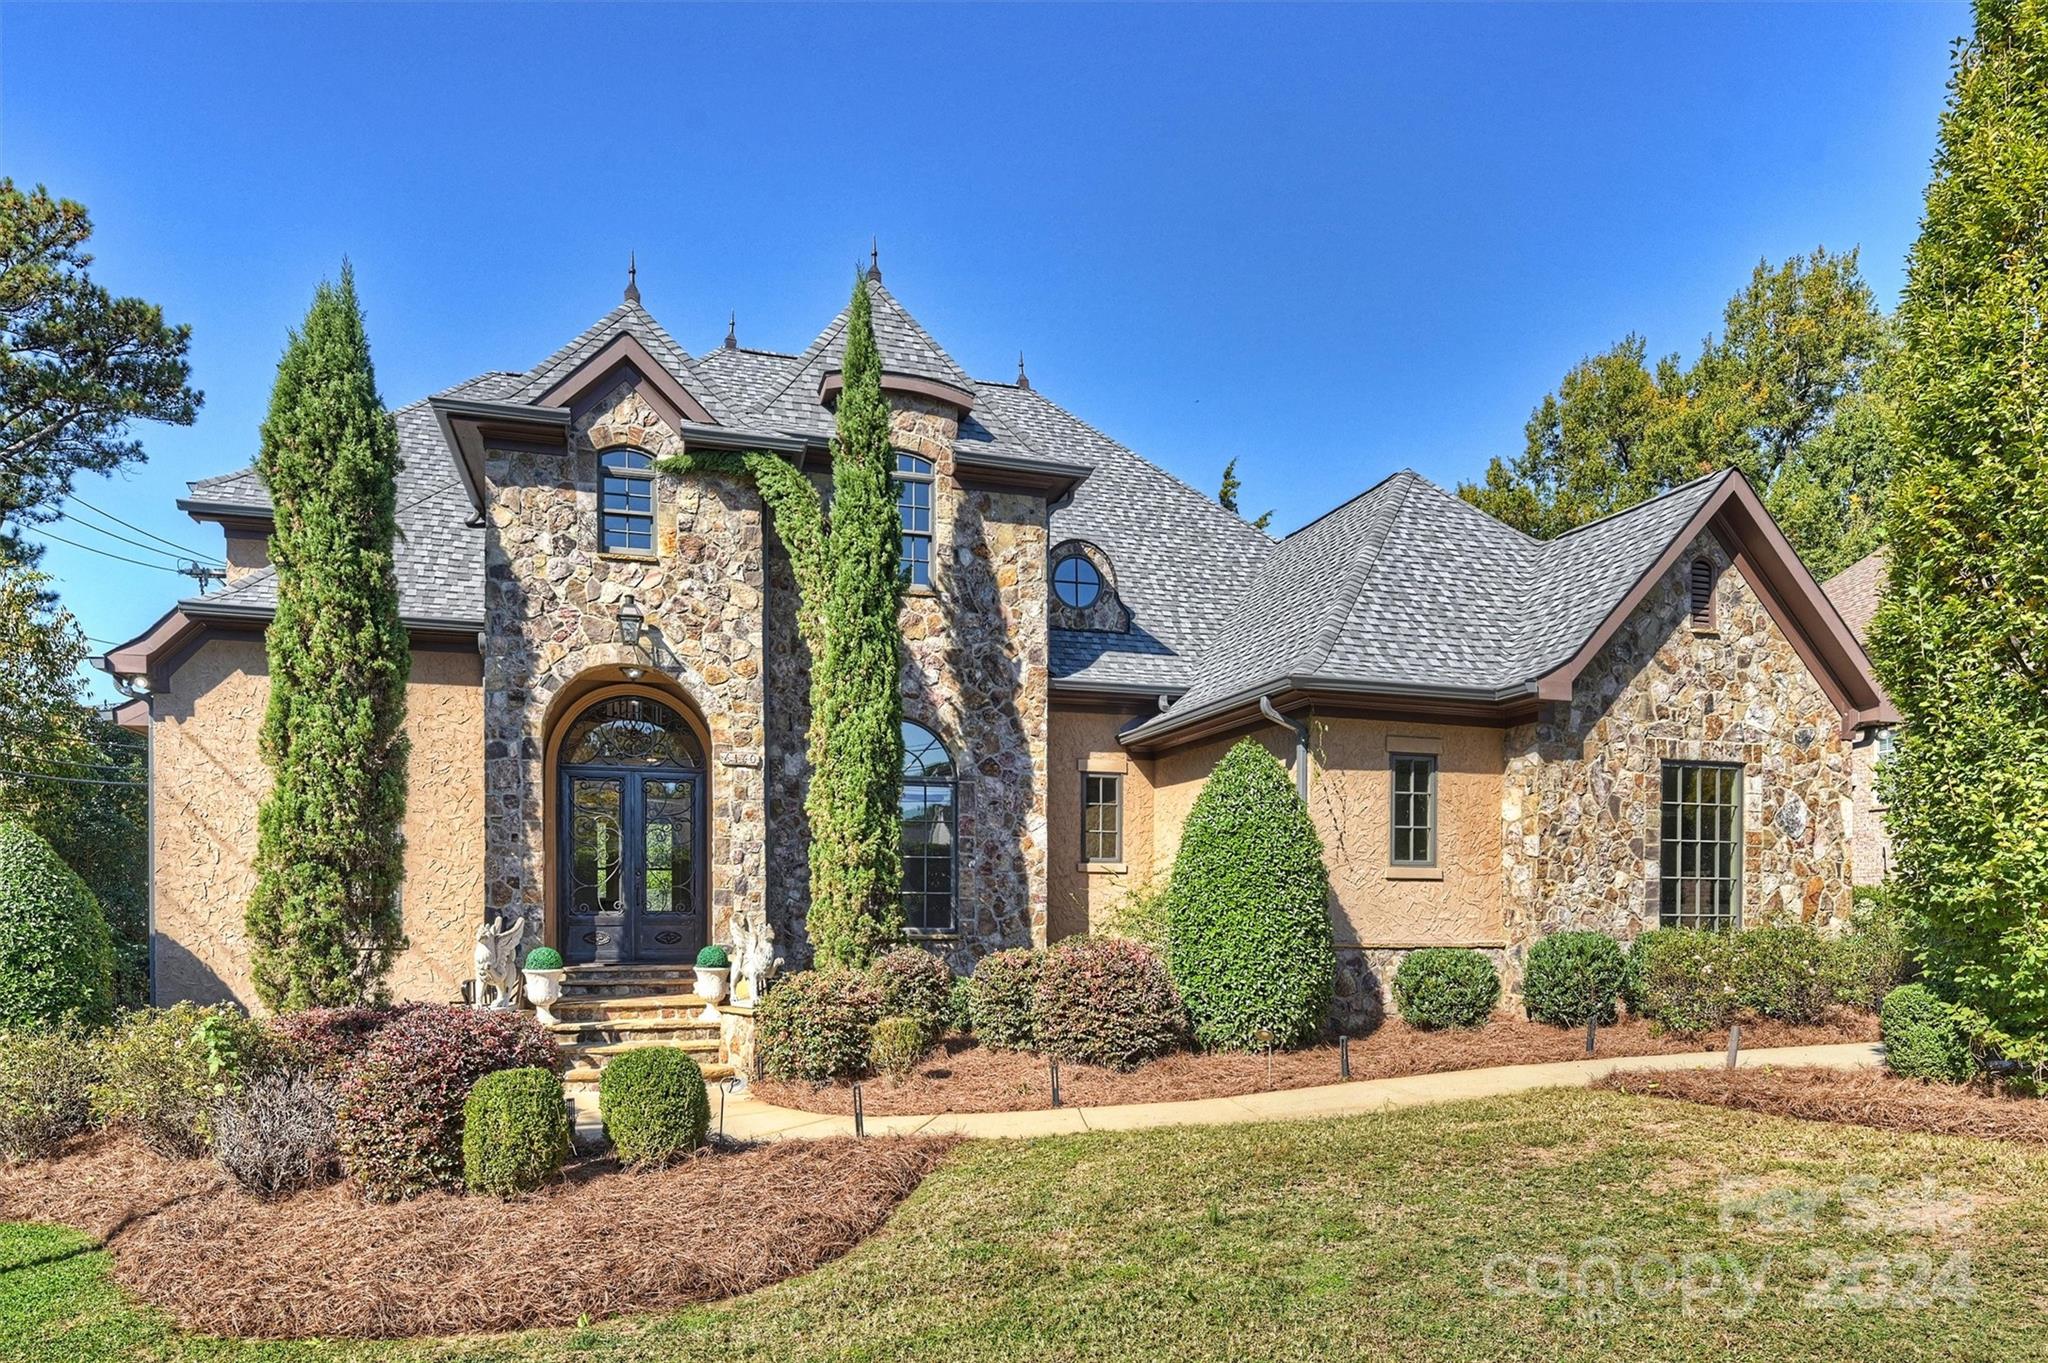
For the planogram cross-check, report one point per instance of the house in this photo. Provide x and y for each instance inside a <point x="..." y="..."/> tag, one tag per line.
<point x="1854" y="592"/>
<point x="1648" y="720"/>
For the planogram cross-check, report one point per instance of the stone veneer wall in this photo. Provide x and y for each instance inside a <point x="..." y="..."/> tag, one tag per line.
<point x="551" y="602"/>
<point x="209" y="779"/>
<point x="975" y="673"/>
<point x="1580" y="802"/>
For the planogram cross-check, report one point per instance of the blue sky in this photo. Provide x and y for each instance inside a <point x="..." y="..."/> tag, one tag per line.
<point x="1331" y="241"/>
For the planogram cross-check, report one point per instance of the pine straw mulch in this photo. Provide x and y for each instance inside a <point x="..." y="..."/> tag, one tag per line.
<point x="962" y="1076"/>
<point x="1870" y="1097"/>
<point x="599" y="1242"/>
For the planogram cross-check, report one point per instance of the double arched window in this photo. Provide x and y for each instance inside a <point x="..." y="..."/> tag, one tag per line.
<point x="625" y="502"/>
<point x="929" y="834"/>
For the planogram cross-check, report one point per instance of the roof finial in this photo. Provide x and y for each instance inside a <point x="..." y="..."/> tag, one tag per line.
<point x="732" y="332"/>
<point x="632" y="278"/>
<point x="1023" y="379"/>
<point x="875" y="259"/>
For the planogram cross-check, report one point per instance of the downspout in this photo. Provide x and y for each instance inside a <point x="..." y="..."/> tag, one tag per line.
<point x="1300" y="744"/>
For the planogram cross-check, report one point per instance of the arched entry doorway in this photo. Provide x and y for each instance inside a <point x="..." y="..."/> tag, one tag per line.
<point x="630" y="859"/>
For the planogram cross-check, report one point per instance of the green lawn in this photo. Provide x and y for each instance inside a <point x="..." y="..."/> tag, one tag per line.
<point x="1365" y="1238"/>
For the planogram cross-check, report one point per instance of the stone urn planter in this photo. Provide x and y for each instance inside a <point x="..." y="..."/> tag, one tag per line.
<point x="543" y="975"/>
<point x="714" y="973"/>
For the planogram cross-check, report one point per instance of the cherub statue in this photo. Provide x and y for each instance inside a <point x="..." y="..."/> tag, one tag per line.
<point x="497" y="963"/>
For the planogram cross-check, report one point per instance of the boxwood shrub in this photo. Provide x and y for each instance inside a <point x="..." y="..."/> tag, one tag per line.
<point x="46" y="1084"/>
<point x="56" y="954"/>
<point x="1682" y="978"/>
<point x="814" y="1025"/>
<point x="653" y="1104"/>
<point x="1571" y="977"/>
<point x="399" y="1110"/>
<point x="896" y="1044"/>
<point x="914" y="984"/>
<point x="1106" y="1001"/>
<point x="1924" y="1036"/>
<point x="1446" y="987"/>
<point x="515" y="1131"/>
<point x="1001" y="1000"/>
<point x="1782" y="972"/>
<point x="1248" y="922"/>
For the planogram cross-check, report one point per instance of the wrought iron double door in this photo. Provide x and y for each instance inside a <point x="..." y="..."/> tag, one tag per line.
<point x="631" y="864"/>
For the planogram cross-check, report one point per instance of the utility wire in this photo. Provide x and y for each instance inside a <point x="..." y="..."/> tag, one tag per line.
<point x="102" y="530"/>
<point x="68" y="780"/>
<point x="121" y="558"/>
<point x="139" y="530"/>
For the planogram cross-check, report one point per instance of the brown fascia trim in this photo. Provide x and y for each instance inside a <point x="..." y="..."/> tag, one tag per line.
<point x="1773" y="569"/>
<point x="894" y="381"/>
<point x="157" y="652"/>
<point x="468" y="426"/>
<point x="242" y="516"/>
<point x="1327" y="695"/>
<point x="133" y="715"/>
<point x="590" y="379"/>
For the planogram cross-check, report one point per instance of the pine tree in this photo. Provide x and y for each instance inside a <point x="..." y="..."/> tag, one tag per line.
<point x="324" y="918"/>
<point x="1961" y="638"/>
<point x="1226" y="496"/>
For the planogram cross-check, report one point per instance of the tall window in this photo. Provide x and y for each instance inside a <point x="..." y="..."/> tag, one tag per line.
<point x="1414" y="809"/>
<point x="625" y="502"/>
<point x="1102" y="816"/>
<point x="914" y="506"/>
<point x="1700" y="851"/>
<point x="926" y="803"/>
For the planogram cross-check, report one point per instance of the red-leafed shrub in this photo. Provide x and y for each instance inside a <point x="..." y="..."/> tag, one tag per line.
<point x="1101" y="1001"/>
<point x="814" y="1025"/>
<point x="999" y="998"/>
<point x="327" y="1041"/>
<point x="915" y="984"/>
<point x="398" y="1121"/>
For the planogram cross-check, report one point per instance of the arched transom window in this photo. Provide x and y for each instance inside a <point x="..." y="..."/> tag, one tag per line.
<point x="630" y="731"/>
<point x="929" y="835"/>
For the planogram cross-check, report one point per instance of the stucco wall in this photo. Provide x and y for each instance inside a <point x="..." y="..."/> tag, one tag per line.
<point x="1083" y="895"/>
<point x="246" y="552"/>
<point x="209" y="779"/>
<point x="1581" y="799"/>
<point x="1869" y="842"/>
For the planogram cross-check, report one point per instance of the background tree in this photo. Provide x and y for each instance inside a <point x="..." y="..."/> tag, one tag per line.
<point x="1961" y="637"/>
<point x="1786" y="393"/>
<point x="1227" y="496"/>
<point x="76" y="364"/>
<point x="324" y="917"/>
<point x="850" y="593"/>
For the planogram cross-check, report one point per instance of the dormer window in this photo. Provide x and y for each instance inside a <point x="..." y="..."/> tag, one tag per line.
<point x="625" y="502"/>
<point x="1701" y="595"/>
<point x="1076" y="582"/>
<point x="914" y="509"/>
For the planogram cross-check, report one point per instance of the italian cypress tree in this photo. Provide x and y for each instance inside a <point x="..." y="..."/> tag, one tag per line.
<point x="850" y="591"/>
<point x="1962" y="636"/>
<point x="324" y="918"/>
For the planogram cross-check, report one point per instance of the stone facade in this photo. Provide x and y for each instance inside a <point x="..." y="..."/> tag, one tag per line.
<point x="553" y="638"/>
<point x="1580" y="799"/>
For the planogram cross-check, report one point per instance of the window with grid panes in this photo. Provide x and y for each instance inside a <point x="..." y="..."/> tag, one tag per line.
<point x="1699" y="848"/>
<point x="914" y="508"/>
<point x="1414" y="809"/>
<point x="1102" y="816"/>
<point x="625" y="507"/>
<point x="926" y="803"/>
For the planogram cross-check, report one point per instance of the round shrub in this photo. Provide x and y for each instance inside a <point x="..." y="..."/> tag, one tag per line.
<point x="896" y="1044"/>
<point x="1572" y="977"/>
<point x="1682" y="979"/>
<point x="653" y="1104"/>
<point x="1782" y="973"/>
<point x="277" y="1135"/>
<point x="1924" y="1036"/>
<point x="547" y="958"/>
<point x="1104" y="1001"/>
<point x="163" y="1069"/>
<point x="515" y="1131"/>
<point x="46" y="1084"/>
<point x="1446" y="987"/>
<point x="915" y="984"/>
<point x="1873" y="956"/>
<point x="1248" y="919"/>
<point x="960" y="1004"/>
<point x="814" y="1025"/>
<point x="399" y="1110"/>
<point x="326" y="1041"/>
<point x="713" y="957"/>
<point x="1001" y="997"/>
<point x="56" y="954"/>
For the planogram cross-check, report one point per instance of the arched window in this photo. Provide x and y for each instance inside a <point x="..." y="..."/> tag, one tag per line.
<point x="630" y="731"/>
<point x="1076" y="582"/>
<point x="929" y="839"/>
<point x="1702" y="593"/>
<point x="625" y="502"/>
<point x="914" y="508"/>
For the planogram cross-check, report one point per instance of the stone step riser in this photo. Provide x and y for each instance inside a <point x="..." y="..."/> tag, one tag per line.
<point x="625" y="1010"/>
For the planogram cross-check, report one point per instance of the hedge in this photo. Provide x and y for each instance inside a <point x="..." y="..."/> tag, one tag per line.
<point x="56" y="954"/>
<point x="1106" y="1001"/>
<point x="1924" y="1036"/>
<point x="1001" y="1001"/>
<point x="814" y="1025"/>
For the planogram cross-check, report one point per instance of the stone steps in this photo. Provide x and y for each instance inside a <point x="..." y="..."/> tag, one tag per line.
<point x="581" y="982"/>
<point x="670" y="1007"/>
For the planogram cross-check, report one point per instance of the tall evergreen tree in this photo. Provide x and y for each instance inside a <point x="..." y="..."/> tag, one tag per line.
<point x="324" y="918"/>
<point x="1961" y="638"/>
<point x="1226" y="496"/>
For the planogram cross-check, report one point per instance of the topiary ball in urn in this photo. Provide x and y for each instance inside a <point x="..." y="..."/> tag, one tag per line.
<point x="543" y="974"/>
<point x="714" y="969"/>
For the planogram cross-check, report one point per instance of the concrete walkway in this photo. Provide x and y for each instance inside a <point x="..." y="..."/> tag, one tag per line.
<point x="752" y="1119"/>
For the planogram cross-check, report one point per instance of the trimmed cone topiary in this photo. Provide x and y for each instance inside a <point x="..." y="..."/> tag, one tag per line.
<point x="1247" y="917"/>
<point x="515" y="1131"/>
<point x="56" y="955"/>
<point x="1446" y="987"/>
<point x="653" y="1105"/>
<point x="1924" y="1037"/>
<point x="1573" y="976"/>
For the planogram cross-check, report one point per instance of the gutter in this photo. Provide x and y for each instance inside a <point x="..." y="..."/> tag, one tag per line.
<point x="1488" y="695"/>
<point x="1300" y="744"/>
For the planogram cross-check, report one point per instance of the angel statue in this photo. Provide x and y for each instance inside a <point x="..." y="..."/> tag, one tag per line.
<point x="497" y="963"/>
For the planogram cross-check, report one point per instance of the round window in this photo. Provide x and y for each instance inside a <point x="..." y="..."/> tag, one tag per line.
<point x="1076" y="582"/>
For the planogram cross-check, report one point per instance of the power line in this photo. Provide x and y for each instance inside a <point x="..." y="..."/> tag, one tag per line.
<point x="139" y="530"/>
<point x="68" y="780"/>
<point x="119" y="558"/>
<point x="102" y="530"/>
